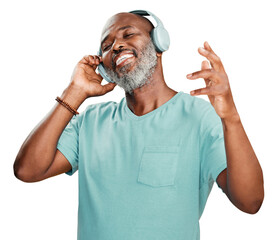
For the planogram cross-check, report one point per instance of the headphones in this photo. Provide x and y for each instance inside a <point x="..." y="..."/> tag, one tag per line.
<point x="159" y="36"/>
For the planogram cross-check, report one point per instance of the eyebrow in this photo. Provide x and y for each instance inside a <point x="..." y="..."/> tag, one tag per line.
<point x="120" y="29"/>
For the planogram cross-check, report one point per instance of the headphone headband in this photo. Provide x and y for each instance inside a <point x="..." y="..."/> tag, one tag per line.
<point x="148" y="13"/>
<point x="159" y="35"/>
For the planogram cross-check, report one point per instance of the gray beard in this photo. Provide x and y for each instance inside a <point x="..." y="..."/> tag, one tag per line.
<point x="140" y="75"/>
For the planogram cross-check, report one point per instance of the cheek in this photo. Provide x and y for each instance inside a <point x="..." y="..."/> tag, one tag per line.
<point x="141" y="46"/>
<point x="106" y="57"/>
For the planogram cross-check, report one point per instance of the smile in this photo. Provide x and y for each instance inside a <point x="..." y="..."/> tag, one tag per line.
<point x="122" y="58"/>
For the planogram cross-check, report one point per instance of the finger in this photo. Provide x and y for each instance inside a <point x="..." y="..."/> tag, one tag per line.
<point x="202" y="91"/>
<point x="94" y="61"/>
<point x="85" y="59"/>
<point x="97" y="58"/>
<point x="90" y="60"/>
<point x="100" y="76"/>
<point x="212" y="57"/>
<point x="89" y="69"/>
<point x="208" y="47"/>
<point x="205" y="73"/>
<point x="205" y="65"/>
<point x="90" y="64"/>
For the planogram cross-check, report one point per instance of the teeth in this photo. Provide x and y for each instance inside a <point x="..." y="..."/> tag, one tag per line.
<point x="122" y="58"/>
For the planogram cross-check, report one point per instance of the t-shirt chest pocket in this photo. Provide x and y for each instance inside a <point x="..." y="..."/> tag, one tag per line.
<point x="158" y="165"/>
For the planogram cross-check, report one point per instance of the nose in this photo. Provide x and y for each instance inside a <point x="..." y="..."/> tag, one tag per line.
<point x="118" y="45"/>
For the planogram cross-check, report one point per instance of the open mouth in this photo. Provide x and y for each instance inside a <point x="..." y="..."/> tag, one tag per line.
<point x="123" y="58"/>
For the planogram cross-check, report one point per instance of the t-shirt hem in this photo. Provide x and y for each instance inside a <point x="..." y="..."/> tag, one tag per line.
<point x="62" y="149"/>
<point x="219" y="170"/>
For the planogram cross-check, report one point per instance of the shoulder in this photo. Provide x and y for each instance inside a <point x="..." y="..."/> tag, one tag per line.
<point x="200" y="112"/>
<point x="98" y="111"/>
<point x="196" y="107"/>
<point x="100" y="107"/>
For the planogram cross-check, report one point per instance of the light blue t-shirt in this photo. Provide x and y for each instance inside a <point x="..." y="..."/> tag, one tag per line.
<point x="144" y="177"/>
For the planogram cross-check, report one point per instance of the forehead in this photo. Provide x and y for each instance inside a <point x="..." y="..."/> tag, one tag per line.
<point x="122" y="20"/>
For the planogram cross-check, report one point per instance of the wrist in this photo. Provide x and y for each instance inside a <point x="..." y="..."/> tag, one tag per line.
<point x="74" y="96"/>
<point x="232" y="120"/>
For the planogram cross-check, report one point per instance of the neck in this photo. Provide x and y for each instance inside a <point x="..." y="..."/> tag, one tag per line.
<point x="150" y="96"/>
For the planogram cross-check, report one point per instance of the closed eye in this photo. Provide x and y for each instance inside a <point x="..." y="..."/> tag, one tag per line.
<point x="107" y="47"/>
<point x="128" y="35"/>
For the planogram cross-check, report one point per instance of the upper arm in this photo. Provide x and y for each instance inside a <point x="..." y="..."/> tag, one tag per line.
<point x="222" y="181"/>
<point x="58" y="166"/>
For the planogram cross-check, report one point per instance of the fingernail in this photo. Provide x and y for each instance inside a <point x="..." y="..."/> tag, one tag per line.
<point x="189" y="75"/>
<point x="192" y="92"/>
<point x="202" y="49"/>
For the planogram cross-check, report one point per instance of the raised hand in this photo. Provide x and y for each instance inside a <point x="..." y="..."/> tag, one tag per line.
<point x="85" y="77"/>
<point x="217" y="84"/>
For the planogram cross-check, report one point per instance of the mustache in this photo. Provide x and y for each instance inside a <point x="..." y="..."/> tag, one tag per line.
<point x="118" y="52"/>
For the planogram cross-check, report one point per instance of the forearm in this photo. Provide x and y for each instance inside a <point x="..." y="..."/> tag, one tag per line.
<point x="38" y="150"/>
<point x="244" y="173"/>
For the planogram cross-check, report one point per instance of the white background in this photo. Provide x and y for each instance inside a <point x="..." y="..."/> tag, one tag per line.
<point x="43" y="40"/>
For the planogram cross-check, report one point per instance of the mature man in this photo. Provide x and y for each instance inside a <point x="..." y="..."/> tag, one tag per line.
<point x="148" y="163"/>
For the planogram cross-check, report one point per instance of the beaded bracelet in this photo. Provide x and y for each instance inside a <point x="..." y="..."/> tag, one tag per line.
<point x="67" y="105"/>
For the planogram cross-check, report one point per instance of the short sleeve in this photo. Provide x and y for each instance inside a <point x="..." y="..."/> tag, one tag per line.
<point x="212" y="147"/>
<point x="212" y="152"/>
<point x="68" y="143"/>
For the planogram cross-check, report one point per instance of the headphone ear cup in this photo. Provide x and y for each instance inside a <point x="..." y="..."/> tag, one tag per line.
<point x="160" y="38"/>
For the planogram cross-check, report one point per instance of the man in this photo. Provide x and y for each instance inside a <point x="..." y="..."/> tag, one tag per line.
<point x="147" y="164"/>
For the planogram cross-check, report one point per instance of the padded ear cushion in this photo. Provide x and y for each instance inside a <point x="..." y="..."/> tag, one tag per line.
<point x="160" y="38"/>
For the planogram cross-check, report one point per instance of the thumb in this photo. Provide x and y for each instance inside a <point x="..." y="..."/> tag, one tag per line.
<point x="109" y="87"/>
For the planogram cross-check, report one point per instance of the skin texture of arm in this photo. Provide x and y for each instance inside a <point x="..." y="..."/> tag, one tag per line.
<point x="242" y="181"/>
<point x="38" y="152"/>
<point x="38" y="157"/>
<point x="243" y="177"/>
